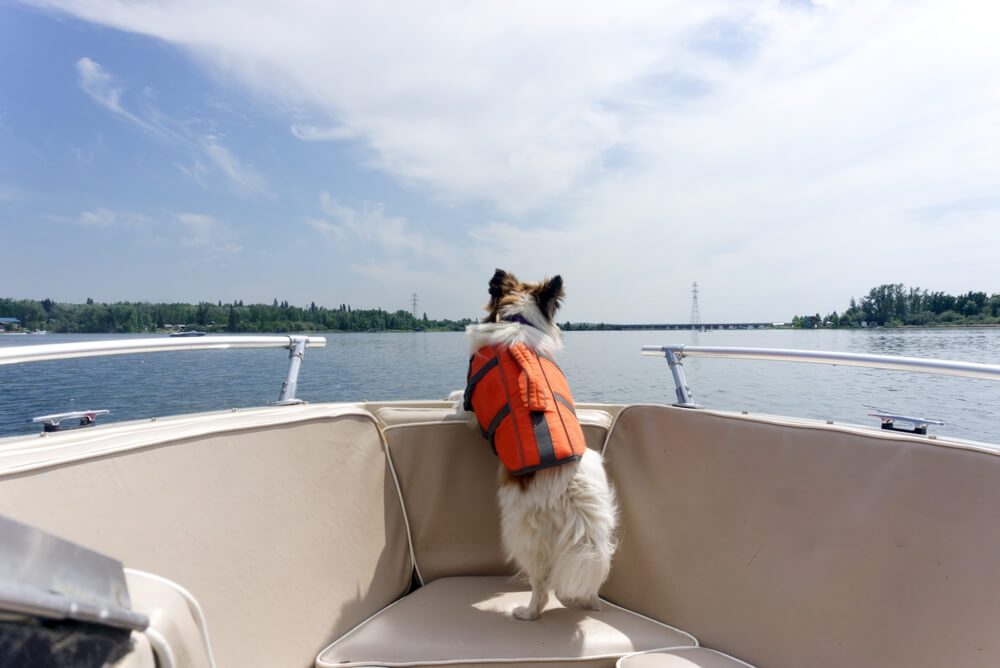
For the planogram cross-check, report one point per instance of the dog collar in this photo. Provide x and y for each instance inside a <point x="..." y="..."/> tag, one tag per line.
<point x="520" y="319"/>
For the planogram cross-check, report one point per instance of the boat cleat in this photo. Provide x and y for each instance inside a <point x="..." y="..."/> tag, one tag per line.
<point x="920" y="424"/>
<point x="53" y="422"/>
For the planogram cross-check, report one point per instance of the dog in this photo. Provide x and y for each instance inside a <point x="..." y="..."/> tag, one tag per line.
<point x="557" y="510"/>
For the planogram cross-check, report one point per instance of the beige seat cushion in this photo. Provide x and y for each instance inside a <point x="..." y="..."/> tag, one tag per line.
<point x="466" y="621"/>
<point x="681" y="657"/>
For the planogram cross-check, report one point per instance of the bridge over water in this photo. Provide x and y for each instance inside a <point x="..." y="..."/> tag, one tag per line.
<point x="701" y="326"/>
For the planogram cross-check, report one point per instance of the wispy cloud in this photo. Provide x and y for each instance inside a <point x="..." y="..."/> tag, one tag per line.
<point x="240" y="174"/>
<point x="369" y="231"/>
<point x="205" y="232"/>
<point x="98" y="218"/>
<point x="307" y="132"/>
<point x="103" y="217"/>
<point x="213" y="156"/>
<point x="368" y="224"/>
<point x="100" y="86"/>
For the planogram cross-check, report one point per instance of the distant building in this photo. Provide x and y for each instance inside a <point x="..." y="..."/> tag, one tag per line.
<point x="9" y="323"/>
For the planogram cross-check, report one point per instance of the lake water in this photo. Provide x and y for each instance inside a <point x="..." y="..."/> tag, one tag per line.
<point x="601" y="367"/>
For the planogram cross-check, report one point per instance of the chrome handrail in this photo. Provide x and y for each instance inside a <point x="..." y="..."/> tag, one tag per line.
<point x="295" y="344"/>
<point x="62" y="351"/>
<point x="675" y="353"/>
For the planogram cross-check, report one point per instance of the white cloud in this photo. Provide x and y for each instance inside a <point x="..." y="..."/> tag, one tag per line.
<point x="98" y="84"/>
<point x="205" y="232"/>
<point x="371" y="224"/>
<point x="98" y="218"/>
<point x="395" y="254"/>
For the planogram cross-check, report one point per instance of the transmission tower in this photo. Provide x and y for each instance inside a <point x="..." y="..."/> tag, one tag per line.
<point x="695" y="313"/>
<point x="413" y="301"/>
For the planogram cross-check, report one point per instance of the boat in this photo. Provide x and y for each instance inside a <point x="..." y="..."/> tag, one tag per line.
<point x="187" y="332"/>
<point x="366" y="534"/>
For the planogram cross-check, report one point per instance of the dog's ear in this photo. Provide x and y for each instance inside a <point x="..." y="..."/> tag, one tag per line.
<point x="550" y="294"/>
<point x="496" y="283"/>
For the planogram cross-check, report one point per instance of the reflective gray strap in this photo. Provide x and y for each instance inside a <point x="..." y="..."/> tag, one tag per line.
<point x="495" y="424"/>
<point x="546" y="451"/>
<point x="565" y="402"/>
<point x="532" y="469"/>
<point x="471" y="385"/>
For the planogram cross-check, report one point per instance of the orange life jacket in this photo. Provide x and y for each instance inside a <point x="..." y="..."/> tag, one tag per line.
<point x="524" y="407"/>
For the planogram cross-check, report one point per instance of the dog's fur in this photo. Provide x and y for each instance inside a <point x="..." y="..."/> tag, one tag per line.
<point x="557" y="524"/>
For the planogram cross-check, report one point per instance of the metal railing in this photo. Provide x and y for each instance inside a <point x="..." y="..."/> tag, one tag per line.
<point x="296" y="346"/>
<point x="674" y="354"/>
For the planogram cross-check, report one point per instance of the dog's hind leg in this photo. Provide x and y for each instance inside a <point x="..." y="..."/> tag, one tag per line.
<point x="539" y="598"/>
<point x="577" y="578"/>
<point x="533" y="560"/>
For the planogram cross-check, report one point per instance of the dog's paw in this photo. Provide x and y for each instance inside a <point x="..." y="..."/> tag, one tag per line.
<point x="526" y="613"/>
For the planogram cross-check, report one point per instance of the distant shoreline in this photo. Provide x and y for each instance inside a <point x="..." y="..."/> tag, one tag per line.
<point x="324" y="332"/>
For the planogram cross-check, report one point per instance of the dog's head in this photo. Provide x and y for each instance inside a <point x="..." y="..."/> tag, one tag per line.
<point x="532" y="304"/>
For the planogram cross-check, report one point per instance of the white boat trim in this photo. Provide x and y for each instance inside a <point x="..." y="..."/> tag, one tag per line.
<point x="30" y="453"/>
<point x="823" y="425"/>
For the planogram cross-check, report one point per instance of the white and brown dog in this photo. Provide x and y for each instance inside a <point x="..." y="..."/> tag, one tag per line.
<point x="557" y="510"/>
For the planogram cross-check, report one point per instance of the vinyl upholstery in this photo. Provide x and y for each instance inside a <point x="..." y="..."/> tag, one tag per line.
<point x="288" y="535"/>
<point x="681" y="657"/>
<point x="466" y="621"/>
<point x="790" y="545"/>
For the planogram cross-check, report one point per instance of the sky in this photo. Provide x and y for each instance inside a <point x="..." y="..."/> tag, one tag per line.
<point x="787" y="156"/>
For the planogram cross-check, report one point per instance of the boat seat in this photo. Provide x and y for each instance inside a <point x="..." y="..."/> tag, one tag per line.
<point x="467" y="621"/>
<point x="681" y="657"/>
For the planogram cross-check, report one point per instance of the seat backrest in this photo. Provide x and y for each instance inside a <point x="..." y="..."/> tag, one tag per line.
<point x="793" y="544"/>
<point x="448" y="479"/>
<point x="284" y="524"/>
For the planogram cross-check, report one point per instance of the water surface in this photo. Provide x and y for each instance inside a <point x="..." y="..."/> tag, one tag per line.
<point x="601" y="366"/>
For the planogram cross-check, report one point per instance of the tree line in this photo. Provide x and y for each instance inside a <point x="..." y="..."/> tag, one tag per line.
<point x="894" y="305"/>
<point x="132" y="317"/>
